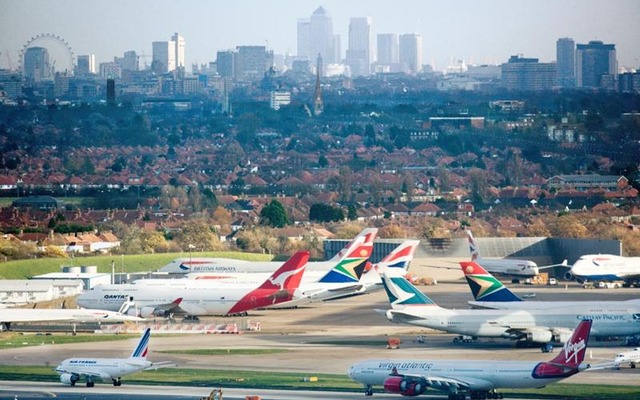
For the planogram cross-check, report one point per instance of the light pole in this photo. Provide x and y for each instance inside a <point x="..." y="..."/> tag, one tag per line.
<point x="191" y="247"/>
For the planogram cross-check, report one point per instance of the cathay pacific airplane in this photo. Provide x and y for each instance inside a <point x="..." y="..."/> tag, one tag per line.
<point x="194" y="297"/>
<point x="410" y="306"/>
<point x="228" y="265"/>
<point x="14" y="315"/>
<point x="72" y="370"/>
<point x="489" y="292"/>
<point x="479" y="379"/>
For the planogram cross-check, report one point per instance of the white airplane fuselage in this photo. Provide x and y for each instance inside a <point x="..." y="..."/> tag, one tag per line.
<point x="493" y="374"/>
<point x="632" y="357"/>
<point x="509" y="266"/>
<point x="233" y="266"/>
<point x="10" y="315"/>
<point x="543" y="325"/>
<point x="538" y="305"/>
<point x="105" y="368"/>
<point x="606" y="267"/>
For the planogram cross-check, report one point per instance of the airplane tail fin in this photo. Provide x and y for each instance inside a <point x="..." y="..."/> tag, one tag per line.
<point x="473" y="248"/>
<point x="402" y="293"/>
<point x="354" y="260"/>
<point x="569" y="360"/>
<point x="401" y="256"/>
<point x="367" y="235"/>
<point x="484" y="286"/>
<point x="142" y="348"/>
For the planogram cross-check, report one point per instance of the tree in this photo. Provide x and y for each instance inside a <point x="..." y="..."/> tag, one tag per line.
<point x="198" y="233"/>
<point x="325" y="213"/>
<point x="352" y="213"/>
<point x="274" y="214"/>
<point x="322" y="161"/>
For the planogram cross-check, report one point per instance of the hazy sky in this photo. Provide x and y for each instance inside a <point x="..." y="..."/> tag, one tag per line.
<point x="478" y="31"/>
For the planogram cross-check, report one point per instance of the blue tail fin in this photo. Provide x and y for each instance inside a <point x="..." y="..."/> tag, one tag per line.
<point x="142" y="348"/>
<point x="401" y="292"/>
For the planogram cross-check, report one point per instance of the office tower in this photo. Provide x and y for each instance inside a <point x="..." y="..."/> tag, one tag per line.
<point x="179" y="47"/>
<point x="410" y="53"/>
<point x="388" y="51"/>
<point x="566" y="62"/>
<point x="318" y="104"/>
<point x="321" y="37"/>
<point x="110" y="70"/>
<point x="225" y="63"/>
<point x="304" y="40"/>
<point x="86" y="65"/>
<point x="359" y="52"/>
<point x="164" y="57"/>
<point x="36" y="64"/>
<point x="129" y="62"/>
<point x="252" y="62"/>
<point x="593" y="61"/>
<point x="528" y="74"/>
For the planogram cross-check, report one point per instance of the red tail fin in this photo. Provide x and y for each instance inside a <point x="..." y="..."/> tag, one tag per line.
<point x="472" y="268"/>
<point x="568" y="361"/>
<point x="289" y="275"/>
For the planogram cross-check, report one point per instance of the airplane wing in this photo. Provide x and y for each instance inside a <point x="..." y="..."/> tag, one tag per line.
<point x="400" y="317"/>
<point x="161" y="364"/>
<point x="444" y="383"/>
<point x="94" y="374"/>
<point x="562" y="264"/>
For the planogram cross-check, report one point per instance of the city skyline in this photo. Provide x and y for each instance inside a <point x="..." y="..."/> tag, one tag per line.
<point x="478" y="32"/>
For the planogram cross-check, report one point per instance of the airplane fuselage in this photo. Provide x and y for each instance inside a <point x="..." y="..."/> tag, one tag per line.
<point x="535" y="325"/>
<point x="509" y="267"/>
<point x="103" y="368"/>
<point x="606" y="267"/>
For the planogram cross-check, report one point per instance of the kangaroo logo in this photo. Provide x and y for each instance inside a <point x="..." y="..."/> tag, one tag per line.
<point x="281" y="279"/>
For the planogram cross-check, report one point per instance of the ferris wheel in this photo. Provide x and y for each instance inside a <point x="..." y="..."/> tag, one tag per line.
<point x="61" y="53"/>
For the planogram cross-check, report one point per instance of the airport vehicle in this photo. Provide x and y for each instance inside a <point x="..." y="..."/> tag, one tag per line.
<point x="11" y="315"/>
<point x="632" y="357"/>
<point x="606" y="268"/>
<point x="410" y="306"/>
<point x="489" y="292"/>
<point x="197" y="298"/>
<point x="72" y="370"/>
<point x="507" y="266"/>
<point x="229" y="266"/>
<point x="477" y="378"/>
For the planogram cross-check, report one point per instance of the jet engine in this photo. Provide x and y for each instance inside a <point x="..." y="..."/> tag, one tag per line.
<point x="539" y="336"/>
<point x="568" y="276"/>
<point x="69" y="379"/>
<point x="405" y="386"/>
<point x="562" y="336"/>
<point x="150" y="312"/>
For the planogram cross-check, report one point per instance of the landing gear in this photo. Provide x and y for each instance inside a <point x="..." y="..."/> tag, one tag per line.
<point x="90" y="384"/>
<point x="457" y="396"/>
<point x="117" y="382"/>
<point x="486" y="395"/>
<point x="368" y="390"/>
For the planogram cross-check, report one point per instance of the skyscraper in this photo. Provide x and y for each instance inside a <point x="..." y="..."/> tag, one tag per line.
<point x="593" y="61"/>
<point x="86" y="65"/>
<point x="164" y="57"/>
<point x="388" y="51"/>
<point x="179" y="48"/>
<point x="359" y="52"/>
<point x="225" y="63"/>
<point x="252" y="62"/>
<point x="321" y="37"/>
<point x="37" y="65"/>
<point x="410" y="53"/>
<point x="304" y="42"/>
<point x="528" y="74"/>
<point x="566" y="62"/>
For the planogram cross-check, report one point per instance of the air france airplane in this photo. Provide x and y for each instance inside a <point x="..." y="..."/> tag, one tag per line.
<point x="479" y="379"/>
<point x="72" y="370"/>
<point x="193" y="297"/>
<point x="632" y="357"/>
<point x="410" y="306"/>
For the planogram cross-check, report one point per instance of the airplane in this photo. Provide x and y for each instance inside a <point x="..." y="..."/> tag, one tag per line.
<point x="72" y="370"/>
<point x="11" y="315"/>
<point x="632" y="357"/>
<point x="606" y="268"/>
<point x="228" y="265"/>
<point x="507" y="266"/>
<point x="410" y="306"/>
<point x="489" y="292"/>
<point x="479" y="378"/>
<point x="196" y="298"/>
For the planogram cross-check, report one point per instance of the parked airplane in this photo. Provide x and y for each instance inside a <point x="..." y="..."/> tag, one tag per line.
<point x="11" y="315"/>
<point x="411" y="306"/>
<point x="192" y="297"/>
<point x="632" y="357"/>
<point x="228" y="265"/>
<point x="506" y="266"/>
<point x="489" y="292"/>
<point x="72" y="370"/>
<point x="479" y="379"/>
<point x="606" y="268"/>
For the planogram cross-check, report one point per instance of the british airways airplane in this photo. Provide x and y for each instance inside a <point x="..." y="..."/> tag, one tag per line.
<point x="478" y="378"/>
<point x="72" y="370"/>
<point x="606" y="268"/>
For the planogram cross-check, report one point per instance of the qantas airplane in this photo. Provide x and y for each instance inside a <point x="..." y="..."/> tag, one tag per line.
<point x="228" y="265"/>
<point x="199" y="297"/>
<point x="72" y="370"/>
<point x="489" y="292"/>
<point x="479" y="379"/>
<point x="410" y="306"/>
<point x="506" y="266"/>
<point x="11" y="315"/>
<point x="606" y="268"/>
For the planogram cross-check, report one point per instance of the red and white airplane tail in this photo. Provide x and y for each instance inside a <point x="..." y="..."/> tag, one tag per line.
<point x="569" y="361"/>
<point x="278" y="288"/>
